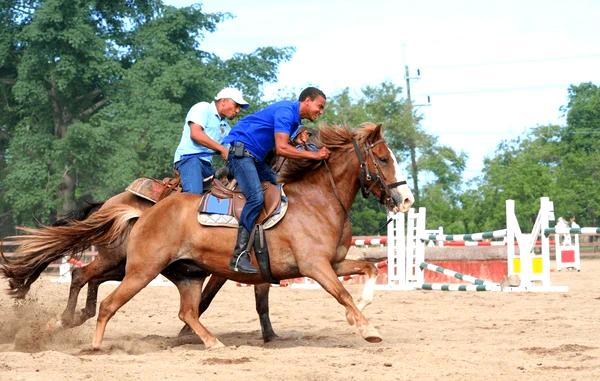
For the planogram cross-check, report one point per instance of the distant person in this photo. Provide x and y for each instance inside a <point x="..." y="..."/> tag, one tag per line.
<point x="250" y="140"/>
<point x="573" y="224"/>
<point x="561" y="225"/>
<point x="204" y="127"/>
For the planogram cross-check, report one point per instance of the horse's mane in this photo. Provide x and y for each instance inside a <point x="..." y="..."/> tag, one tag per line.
<point x="334" y="137"/>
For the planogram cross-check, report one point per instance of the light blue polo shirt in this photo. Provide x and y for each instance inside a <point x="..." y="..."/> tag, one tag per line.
<point x="206" y="115"/>
<point x="257" y="131"/>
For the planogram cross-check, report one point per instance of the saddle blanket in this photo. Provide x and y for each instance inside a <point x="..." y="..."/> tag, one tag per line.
<point x="215" y="211"/>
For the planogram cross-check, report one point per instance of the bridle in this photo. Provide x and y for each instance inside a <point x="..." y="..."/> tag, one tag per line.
<point x="368" y="180"/>
<point x="374" y="178"/>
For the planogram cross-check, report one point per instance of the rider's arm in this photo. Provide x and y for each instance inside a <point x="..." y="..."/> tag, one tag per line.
<point x="285" y="149"/>
<point x="199" y="136"/>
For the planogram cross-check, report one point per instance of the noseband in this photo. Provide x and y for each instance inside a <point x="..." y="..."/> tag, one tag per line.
<point x="375" y="179"/>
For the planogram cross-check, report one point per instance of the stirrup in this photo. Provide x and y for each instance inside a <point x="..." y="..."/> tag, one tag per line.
<point x="247" y="269"/>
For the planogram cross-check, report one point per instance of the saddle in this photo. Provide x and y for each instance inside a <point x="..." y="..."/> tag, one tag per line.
<point x="154" y="190"/>
<point x="223" y="201"/>
<point x="222" y="206"/>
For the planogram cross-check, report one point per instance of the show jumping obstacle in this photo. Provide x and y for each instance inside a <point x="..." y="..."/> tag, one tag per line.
<point x="407" y="238"/>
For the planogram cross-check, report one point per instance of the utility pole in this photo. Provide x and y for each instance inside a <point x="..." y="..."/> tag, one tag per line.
<point x="411" y="141"/>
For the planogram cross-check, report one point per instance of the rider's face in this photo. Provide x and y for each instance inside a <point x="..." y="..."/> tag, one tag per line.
<point x="229" y="108"/>
<point x="312" y="109"/>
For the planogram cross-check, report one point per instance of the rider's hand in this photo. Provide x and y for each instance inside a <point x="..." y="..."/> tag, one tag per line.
<point x="225" y="154"/>
<point x="323" y="153"/>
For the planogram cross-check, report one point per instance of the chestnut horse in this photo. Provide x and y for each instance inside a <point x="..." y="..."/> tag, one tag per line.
<point x="307" y="242"/>
<point x="311" y="240"/>
<point x="108" y="265"/>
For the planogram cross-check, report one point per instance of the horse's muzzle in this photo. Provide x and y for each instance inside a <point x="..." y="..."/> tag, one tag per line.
<point x="402" y="199"/>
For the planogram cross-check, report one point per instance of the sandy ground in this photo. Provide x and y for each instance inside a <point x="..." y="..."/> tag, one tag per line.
<point x="428" y="335"/>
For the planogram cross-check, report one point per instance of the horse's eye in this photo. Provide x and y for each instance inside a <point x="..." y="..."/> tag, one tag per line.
<point x="383" y="159"/>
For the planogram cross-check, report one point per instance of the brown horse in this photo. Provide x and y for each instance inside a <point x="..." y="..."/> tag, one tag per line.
<point x="312" y="240"/>
<point x="109" y="265"/>
<point x="307" y="242"/>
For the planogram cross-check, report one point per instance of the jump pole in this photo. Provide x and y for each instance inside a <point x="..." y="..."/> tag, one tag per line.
<point x="459" y="287"/>
<point x="451" y="273"/>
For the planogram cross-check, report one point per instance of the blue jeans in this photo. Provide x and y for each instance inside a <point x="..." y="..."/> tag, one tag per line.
<point x="192" y="171"/>
<point x="249" y="174"/>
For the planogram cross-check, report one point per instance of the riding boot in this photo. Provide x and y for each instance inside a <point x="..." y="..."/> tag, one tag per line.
<point x="240" y="260"/>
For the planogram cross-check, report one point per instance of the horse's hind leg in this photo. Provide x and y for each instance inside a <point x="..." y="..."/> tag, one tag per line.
<point x="321" y="271"/>
<point x="99" y="268"/>
<point x="208" y="294"/>
<point x="189" y="292"/>
<point x="89" y="310"/>
<point x="351" y="267"/>
<point x="261" y="295"/>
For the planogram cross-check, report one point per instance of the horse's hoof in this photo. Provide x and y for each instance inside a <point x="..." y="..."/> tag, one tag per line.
<point x="269" y="338"/>
<point x="53" y="325"/>
<point x="370" y="334"/>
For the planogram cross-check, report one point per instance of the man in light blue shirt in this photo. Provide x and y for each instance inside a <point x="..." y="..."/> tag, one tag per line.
<point x="204" y="128"/>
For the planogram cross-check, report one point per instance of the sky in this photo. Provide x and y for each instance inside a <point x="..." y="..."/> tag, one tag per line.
<point x="492" y="69"/>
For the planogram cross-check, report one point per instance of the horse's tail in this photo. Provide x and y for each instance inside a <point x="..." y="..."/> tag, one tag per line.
<point x="78" y="214"/>
<point x="39" y="247"/>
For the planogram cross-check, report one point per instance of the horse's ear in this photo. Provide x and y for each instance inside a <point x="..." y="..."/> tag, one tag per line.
<point x="378" y="130"/>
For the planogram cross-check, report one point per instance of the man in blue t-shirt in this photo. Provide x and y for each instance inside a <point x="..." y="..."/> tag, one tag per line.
<point x="204" y="127"/>
<point x="250" y="140"/>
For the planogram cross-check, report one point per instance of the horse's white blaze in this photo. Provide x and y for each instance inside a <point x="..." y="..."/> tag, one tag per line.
<point x="407" y="197"/>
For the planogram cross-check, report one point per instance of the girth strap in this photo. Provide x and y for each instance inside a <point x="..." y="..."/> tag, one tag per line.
<point x="262" y="253"/>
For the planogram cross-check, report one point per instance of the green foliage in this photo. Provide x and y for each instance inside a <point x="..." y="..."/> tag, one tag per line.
<point x="562" y="163"/>
<point x="94" y="93"/>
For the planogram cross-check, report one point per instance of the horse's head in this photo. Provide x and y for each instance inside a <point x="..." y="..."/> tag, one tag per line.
<point x="380" y="173"/>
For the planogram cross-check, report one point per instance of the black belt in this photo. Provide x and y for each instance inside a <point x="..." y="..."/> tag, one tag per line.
<point x="246" y="153"/>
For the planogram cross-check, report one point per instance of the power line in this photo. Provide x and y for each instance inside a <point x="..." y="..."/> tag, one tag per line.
<point x="533" y="60"/>
<point x="508" y="89"/>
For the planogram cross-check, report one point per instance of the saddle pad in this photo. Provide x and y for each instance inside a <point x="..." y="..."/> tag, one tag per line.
<point x="228" y="220"/>
<point x="214" y="205"/>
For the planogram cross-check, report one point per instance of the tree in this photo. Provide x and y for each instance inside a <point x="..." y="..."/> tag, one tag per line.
<point x="579" y="171"/>
<point x="96" y="92"/>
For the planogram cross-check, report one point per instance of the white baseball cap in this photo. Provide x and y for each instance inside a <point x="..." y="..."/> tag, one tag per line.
<point x="233" y="94"/>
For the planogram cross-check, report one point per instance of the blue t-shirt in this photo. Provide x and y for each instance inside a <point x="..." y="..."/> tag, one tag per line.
<point x="206" y="115"/>
<point x="257" y="131"/>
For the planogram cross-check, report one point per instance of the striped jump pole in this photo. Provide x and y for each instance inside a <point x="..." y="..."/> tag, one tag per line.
<point x="457" y="275"/>
<point x="496" y="234"/>
<point x="474" y="243"/>
<point x="459" y="287"/>
<point x="582" y="231"/>
<point x="369" y="241"/>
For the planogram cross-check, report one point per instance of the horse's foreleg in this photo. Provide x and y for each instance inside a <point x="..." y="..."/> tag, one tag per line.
<point x="190" y="291"/>
<point x="351" y="267"/>
<point x="134" y="281"/>
<point x="321" y="271"/>
<point x="261" y="296"/>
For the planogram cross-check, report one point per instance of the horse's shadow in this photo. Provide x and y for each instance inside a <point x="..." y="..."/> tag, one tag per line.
<point x="287" y="339"/>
